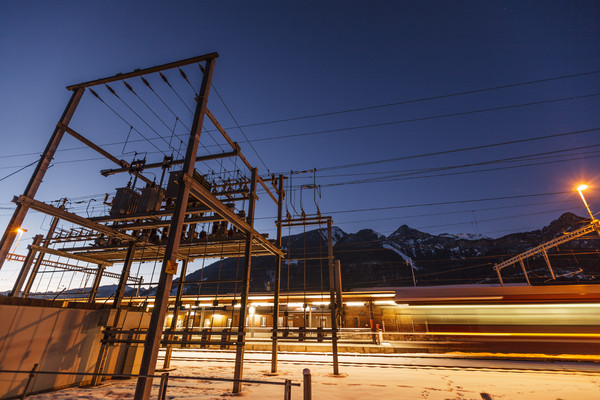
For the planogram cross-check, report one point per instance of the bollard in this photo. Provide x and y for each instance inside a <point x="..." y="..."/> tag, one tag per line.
<point x="31" y="375"/>
<point x="287" y="390"/>
<point x="307" y="385"/>
<point x="162" y="389"/>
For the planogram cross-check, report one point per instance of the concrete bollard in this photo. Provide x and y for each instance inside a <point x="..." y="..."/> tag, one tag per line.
<point x="307" y="384"/>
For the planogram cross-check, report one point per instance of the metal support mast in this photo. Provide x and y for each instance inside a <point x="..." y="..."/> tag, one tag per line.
<point x="332" y="302"/>
<point x="241" y="339"/>
<point x="169" y="266"/>
<point x="277" y="288"/>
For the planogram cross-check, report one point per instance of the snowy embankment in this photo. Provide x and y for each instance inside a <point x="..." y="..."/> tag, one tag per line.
<point x="365" y="377"/>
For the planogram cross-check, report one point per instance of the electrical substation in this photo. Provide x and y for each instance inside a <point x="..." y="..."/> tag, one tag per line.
<point x="179" y="200"/>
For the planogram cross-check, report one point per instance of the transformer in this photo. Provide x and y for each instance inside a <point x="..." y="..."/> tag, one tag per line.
<point x="150" y="200"/>
<point x="175" y="178"/>
<point x="125" y="202"/>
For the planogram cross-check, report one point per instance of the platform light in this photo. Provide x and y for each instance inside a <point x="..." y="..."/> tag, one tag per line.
<point x="580" y="189"/>
<point x="355" y="303"/>
<point x="385" y="302"/>
<point x="260" y="297"/>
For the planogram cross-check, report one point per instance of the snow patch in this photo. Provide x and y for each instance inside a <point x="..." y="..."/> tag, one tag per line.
<point x="395" y="248"/>
<point x="464" y="236"/>
<point x="336" y="234"/>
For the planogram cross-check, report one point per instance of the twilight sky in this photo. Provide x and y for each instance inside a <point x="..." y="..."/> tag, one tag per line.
<point x="284" y="60"/>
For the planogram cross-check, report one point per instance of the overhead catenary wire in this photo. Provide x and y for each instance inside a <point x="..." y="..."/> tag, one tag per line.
<point x="315" y="250"/>
<point x="128" y="86"/>
<point x="241" y="130"/>
<point x="457" y="150"/>
<point x="437" y="214"/>
<point x="425" y="118"/>
<point x="472" y="172"/>
<point x="521" y="196"/>
<point x="341" y="111"/>
<point x="177" y="118"/>
<point x="19" y="170"/>
<point x="377" y="161"/>
<point x="238" y="126"/>
<point x="111" y="90"/>
<point x="207" y="131"/>
<point x="124" y="120"/>
<point x="407" y="174"/>
<point x="423" y="99"/>
<point x="387" y="176"/>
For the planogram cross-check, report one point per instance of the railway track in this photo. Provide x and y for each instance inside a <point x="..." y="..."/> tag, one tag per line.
<point x="402" y="362"/>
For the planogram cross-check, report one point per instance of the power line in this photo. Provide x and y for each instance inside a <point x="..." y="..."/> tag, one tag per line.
<point x="443" y="152"/>
<point x="124" y="120"/>
<point x="436" y="214"/>
<point x="443" y="203"/>
<point x="403" y="175"/>
<point x="207" y="131"/>
<point x="340" y="246"/>
<point x="461" y="93"/>
<point x="495" y="219"/>
<point x="240" y="129"/>
<point x="427" y="118"/>
<point x="19" y="170"/>
<point x="406" y="175"/>
<point x="111" y="90"/>
<point x="177" y="119"/>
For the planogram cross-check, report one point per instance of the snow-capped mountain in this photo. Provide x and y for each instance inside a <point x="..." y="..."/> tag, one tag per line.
<point x="370" y="259"/>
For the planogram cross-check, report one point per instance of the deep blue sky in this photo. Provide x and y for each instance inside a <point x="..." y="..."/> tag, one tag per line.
<point x="288" y="59"/>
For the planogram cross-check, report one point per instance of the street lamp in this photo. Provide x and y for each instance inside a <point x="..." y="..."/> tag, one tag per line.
<point x="580" y="189"/>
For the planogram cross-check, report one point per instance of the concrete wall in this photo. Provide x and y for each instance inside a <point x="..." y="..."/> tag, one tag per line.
<point x="123" y="358"/>
<point x="59" y="336"/>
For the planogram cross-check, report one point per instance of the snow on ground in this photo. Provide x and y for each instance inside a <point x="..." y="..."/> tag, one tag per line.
<point x="364" y="378"/>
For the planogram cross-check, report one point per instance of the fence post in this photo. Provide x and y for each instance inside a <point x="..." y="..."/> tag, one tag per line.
<point x="31" y="375"/>
<point x="287" y="390"/>
<point x="162" y="389"/>
<point x="307" y="385"/>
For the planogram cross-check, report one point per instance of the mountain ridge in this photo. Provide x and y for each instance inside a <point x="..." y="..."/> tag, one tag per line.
<point x="370" y="259"/>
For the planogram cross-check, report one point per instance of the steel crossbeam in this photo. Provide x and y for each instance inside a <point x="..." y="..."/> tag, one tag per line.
<point x="593" y="226"/>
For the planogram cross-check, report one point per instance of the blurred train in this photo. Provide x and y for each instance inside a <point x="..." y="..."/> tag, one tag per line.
<point x="483" y="318"/>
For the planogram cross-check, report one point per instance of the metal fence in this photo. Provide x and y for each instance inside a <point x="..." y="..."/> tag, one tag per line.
<point x="165" y="377"/>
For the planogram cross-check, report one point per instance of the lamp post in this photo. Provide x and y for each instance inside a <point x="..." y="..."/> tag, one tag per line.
<point x="580" y="189"/>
